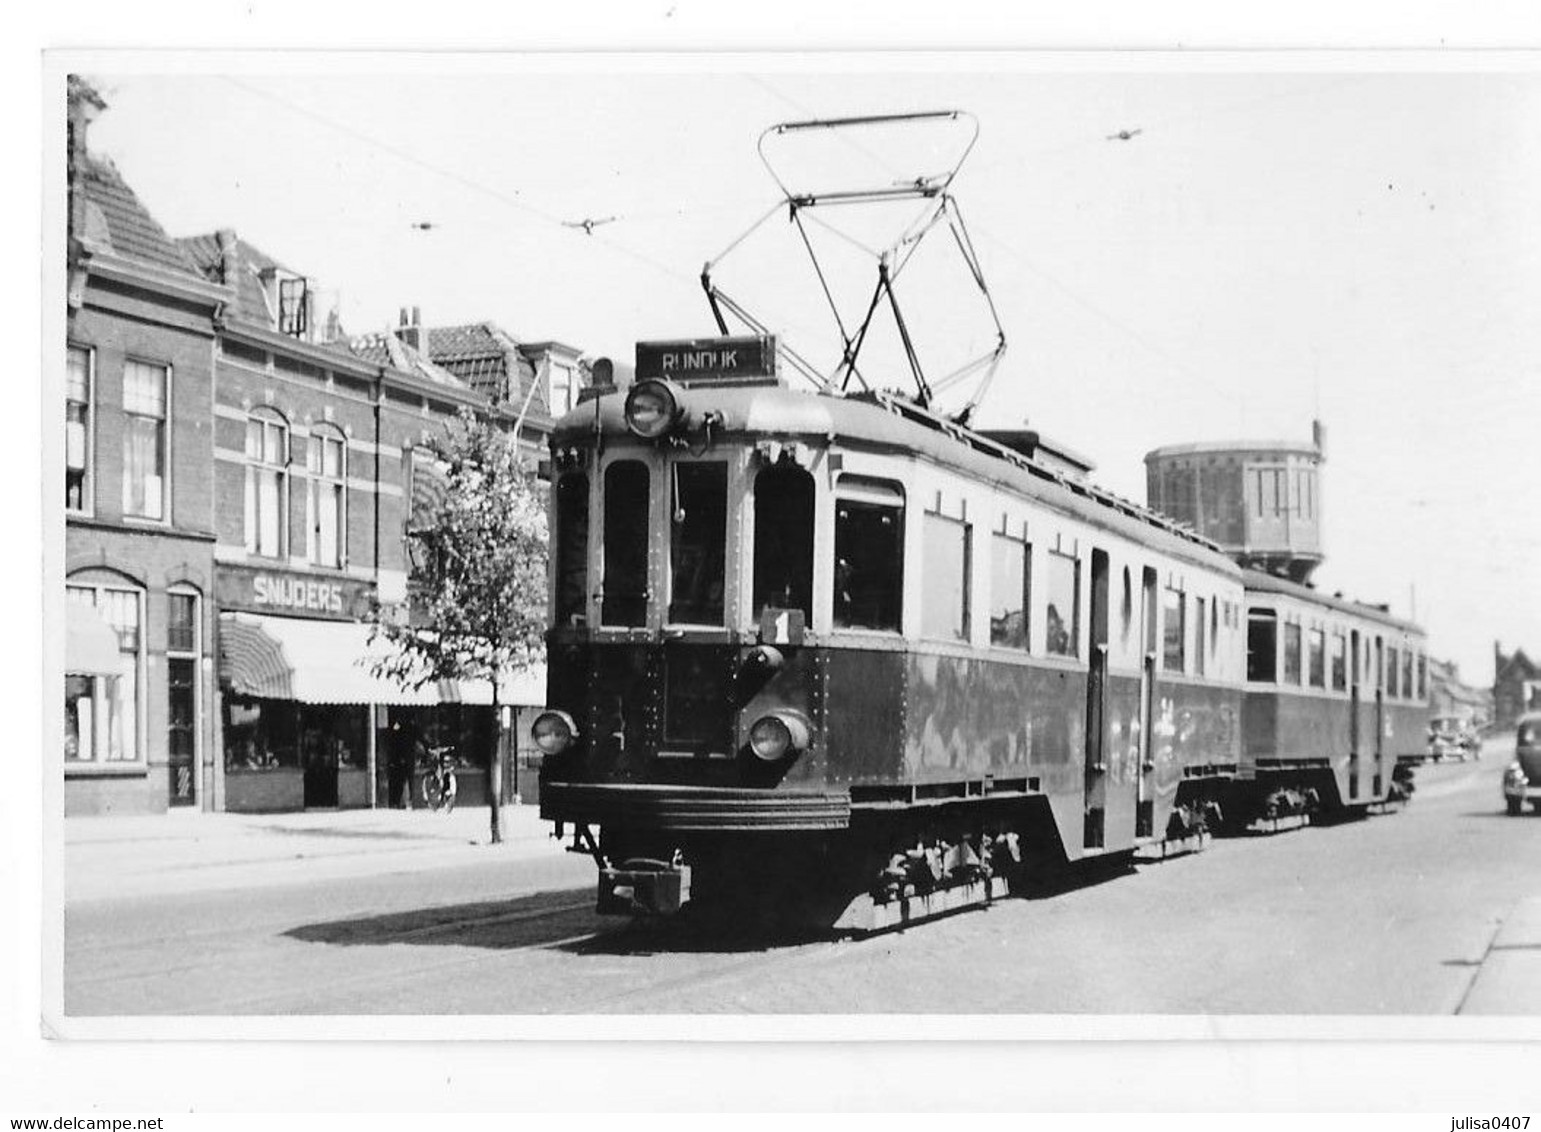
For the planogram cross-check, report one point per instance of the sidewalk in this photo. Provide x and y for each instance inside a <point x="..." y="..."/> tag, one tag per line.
<point x="1509" y="979"/>
<point x="110" y="857"/>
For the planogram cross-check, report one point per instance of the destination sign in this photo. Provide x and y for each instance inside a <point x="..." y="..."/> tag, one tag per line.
<point x="708" y="359"/>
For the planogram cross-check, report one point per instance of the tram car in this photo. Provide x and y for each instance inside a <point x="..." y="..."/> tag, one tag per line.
<point x="838" y="656"/>
<point x="1335" y="708"/>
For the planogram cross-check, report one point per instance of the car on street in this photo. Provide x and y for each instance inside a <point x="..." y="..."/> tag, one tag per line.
<point x="1453" y="736"/>
<point x="1522" y="777"/>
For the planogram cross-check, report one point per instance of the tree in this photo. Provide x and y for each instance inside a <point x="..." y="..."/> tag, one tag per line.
<point x="477" y="607"/>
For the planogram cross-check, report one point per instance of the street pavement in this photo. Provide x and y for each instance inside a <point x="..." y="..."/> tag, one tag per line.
<point x="1433" y="910"/>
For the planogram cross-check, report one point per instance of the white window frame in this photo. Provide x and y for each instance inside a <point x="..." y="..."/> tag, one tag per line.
<point x="315" y="480"/>
<point x="138" y="761"/>
<point x="88" y="479"/>
<point x="164" y="518"/>
<point x="251" y="521"/>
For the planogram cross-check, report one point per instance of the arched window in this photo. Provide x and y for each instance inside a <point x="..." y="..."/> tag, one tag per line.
<point x="267" y="486"/>
<point x="101" y="699"/>
<point x="326" y="507"/>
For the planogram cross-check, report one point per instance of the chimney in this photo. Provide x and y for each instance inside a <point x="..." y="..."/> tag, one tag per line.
<point x="411" y="330"/>
<point x="1319" y="439"/>
<point x="82" y="107"/>
<point x="227" y="254"/>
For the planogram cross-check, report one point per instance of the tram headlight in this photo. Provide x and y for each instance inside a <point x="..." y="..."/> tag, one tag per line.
<point x="553" y="732"/>
<point x="654" y="408"/>
<point x="778" y="733"/>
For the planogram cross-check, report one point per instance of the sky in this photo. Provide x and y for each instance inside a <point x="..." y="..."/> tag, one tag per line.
<point x="1356" y="244"/>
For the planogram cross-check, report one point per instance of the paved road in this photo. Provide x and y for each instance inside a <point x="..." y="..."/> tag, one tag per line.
<point x="1393" y="915"/>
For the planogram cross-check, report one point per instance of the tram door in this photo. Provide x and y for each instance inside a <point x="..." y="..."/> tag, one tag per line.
<point x="1145" y="801"/>
<point x="1356" y="668"/>
<point x="1380" y="709"/>
<point x="1096" y="707"/>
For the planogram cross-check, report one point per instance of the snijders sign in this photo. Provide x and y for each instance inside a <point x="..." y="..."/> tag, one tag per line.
<point x="709" y="359"/>
<point x="258" y="590"/>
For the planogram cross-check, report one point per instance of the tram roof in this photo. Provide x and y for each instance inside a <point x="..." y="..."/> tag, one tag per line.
<point x="883" y="422"/>
<point x="1257" y="580"/>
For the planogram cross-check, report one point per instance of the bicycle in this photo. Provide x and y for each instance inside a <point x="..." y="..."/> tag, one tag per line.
<point x="438" y="781"/>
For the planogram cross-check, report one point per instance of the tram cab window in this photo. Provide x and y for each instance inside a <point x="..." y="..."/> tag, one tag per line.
<point x="1262" y="646"/>
<point x="783" y="540"/>
<point x="698" y="542"/>
<point x="624" y="589"/>
<point x="1407" y="674"/>
<point x="1316" y="660"/>
<point x="1292" y="643"/>
<point x="572" y="548"/>
<point x="1010" y="591"/>
<point x="1173" y="630"/>
<point x="1391" y="672"/>
<point x="1062" y="615"/>
<point x="1339" y="662"/>
<point x="946" y="564"/>
<point x="869" y="554"/>
<point x="1423" y="676"/>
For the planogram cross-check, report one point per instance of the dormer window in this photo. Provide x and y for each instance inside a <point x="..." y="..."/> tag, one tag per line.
<point x="293" y="306"/>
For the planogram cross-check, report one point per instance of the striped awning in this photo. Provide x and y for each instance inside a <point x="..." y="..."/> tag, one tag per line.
<point x="90" y="644"/>
<point x="331" y="662"/>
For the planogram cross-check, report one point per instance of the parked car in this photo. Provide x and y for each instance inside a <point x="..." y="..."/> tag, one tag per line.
<point x="1522" y="777"/>
<point x="1453" y="736"/>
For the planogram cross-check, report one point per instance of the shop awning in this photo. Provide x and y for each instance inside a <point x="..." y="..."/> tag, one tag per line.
<point x="90" y="644"/>
<point x="330" y="662"/>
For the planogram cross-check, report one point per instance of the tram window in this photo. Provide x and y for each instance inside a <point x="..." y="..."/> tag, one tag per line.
<point x="1423" y="676"/>
<point x="1173" y="630"/>
<point x="1292" y="641"/>
<point x="572" y="547"/>
<point x="944" y="612"/>
<point x="1262" y="646"/>
<point x="1316" y="666"/>
<point x="1198" y="636"/>
<point x="1391" y="672"/>
<point x="1062" y="618"/>
<point x="1407" y="674"/>
<point x="624" y="589"/>
<point x="783" y="540"/>
<point x="1011" y="588"/>
<point x="698" y="541"/>
<point x="869" y="554"/>
<point x="1339" y="662"/>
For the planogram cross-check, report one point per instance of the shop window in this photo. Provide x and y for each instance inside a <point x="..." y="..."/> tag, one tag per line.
<point x="326" y="509"/>
<point x="869" y="554"/>
<point x="1173" y="630"/>
<point x="260" y="734"/>
<point x="1062" y="612"/>
<point x="1011" y="590"/>
<point x="572" y="548"/>
<point x="78" y="434"/>
<point x="144" y="440"/>
<point x="946" y="554"/>
<point x="1262" y="646"/>
<point x="1391" y="673"/>
<point x="267" y="459"/>
<point x="624" y="591"/>
<point x="1339" y="662"/>
<point x="1316" y="659"/>
<point x="783" y="540"/>
<point x="101" y="709"/>
<point x="698" y="543"/>
<point x="1199" y="622"/>
<point x="1293" y="639"/>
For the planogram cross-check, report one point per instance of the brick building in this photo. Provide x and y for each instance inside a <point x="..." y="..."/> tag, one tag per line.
<point x="138" y="503"/>
<point x="1516" y="685"/>
<point x="241" y="478"/>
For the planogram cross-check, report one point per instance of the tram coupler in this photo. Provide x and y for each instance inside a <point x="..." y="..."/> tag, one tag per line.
<point x="644" y="887"/>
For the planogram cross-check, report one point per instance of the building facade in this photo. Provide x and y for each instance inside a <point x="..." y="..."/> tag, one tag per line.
<point x="241" y="478"/>
<point x="138" y="505"/>
<point x="1516" y="685"/>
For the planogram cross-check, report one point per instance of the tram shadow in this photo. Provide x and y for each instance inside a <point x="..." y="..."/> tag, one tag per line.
<point x="527" y="921"/>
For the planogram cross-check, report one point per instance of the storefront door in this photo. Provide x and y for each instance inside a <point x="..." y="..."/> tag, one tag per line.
<point x="319" y="754"/>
